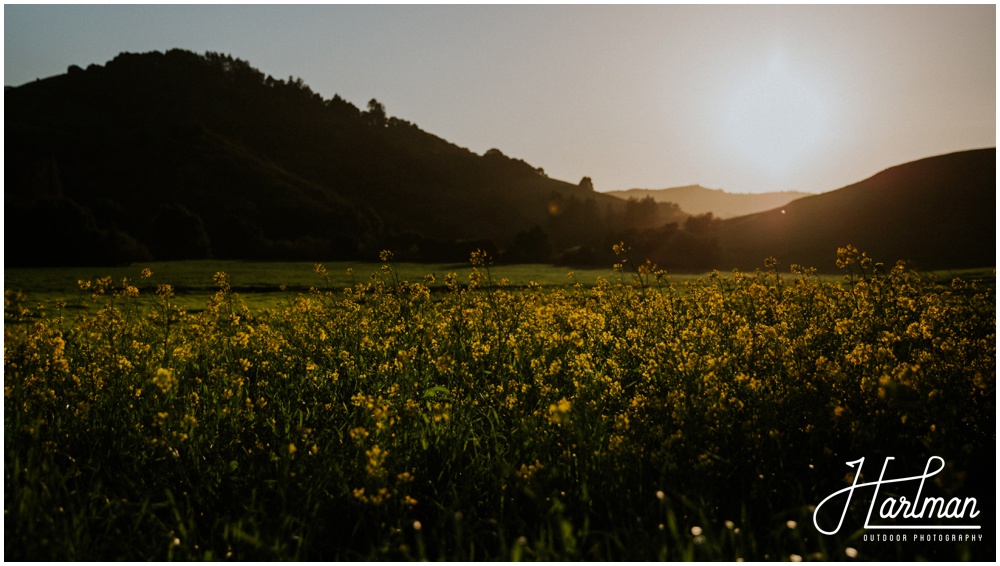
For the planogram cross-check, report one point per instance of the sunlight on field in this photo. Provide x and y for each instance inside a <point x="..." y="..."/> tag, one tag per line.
<point x="460" y="416"/>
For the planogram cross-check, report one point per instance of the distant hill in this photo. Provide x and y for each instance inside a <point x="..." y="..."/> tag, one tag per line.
<point x="178" y="155"/>
<point x="695" y="199"/>
<point x="182" y="156"/>
<point x="938" y="212"/>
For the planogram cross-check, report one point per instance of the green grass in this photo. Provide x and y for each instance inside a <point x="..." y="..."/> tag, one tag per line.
<point x="260" y="284"/>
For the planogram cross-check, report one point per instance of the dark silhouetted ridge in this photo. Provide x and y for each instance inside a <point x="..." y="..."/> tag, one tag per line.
<point x="938" y="213"/>
<point x="179" y="156"/>
<point x="258" y="168"/>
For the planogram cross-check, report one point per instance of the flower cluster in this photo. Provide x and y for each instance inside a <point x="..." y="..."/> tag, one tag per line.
<point x="386" y="405"/>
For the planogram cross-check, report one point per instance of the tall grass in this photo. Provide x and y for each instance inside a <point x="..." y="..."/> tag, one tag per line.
<point x="637" y="419"/>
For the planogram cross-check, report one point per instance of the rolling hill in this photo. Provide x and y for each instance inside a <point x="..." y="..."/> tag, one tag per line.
<point x="938" y="213"/>
<point x="176" y="154"/>
<point x="183" y="156"/>
<point x="695" y="199"/>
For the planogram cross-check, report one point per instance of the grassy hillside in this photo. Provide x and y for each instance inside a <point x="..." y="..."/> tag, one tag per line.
<point x="235" y="164"/>
<point x="937" y="212"/>
<point x="175" y="156"/>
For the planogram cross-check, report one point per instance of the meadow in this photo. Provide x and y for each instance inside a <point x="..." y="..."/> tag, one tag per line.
<point x="484" y="412"/>
<point x="259" y="284"/>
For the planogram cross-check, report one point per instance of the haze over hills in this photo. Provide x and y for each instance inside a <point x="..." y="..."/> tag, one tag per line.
<point x="176" y="155"/>
<point x="695" y="199"/>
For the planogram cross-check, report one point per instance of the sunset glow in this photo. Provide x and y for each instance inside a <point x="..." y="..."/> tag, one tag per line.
<point x="745" y="98"/>
<point x="499" y="283"/>
<point x="775" y="120"/>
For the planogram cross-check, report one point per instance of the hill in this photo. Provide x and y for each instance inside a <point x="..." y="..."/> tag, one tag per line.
<point x="938" y="212"/>
<point x="183" y="156"/>
<point x="695" y="199"/>
<point x="178" y="155"/>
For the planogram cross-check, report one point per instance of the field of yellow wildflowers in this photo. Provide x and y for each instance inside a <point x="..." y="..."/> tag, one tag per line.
<point x="633" y="419"/>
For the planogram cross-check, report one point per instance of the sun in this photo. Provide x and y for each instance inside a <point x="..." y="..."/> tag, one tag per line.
<point x="776" y="120"/>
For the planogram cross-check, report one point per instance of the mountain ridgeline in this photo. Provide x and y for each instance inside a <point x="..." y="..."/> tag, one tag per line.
<point x="177" y="155"/>
<point x="182" y="156"/>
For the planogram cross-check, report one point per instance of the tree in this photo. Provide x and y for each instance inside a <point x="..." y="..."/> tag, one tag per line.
<point x="177" y="233"/>
<point x="530" y="246"/>
<point x="701" y="224"/>
<point x="641" y="214"/>
<point x="586" y="184"/>
<point x="376" y="114"/>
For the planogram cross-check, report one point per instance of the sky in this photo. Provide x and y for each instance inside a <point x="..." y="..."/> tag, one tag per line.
<point x="743" y="98"/>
